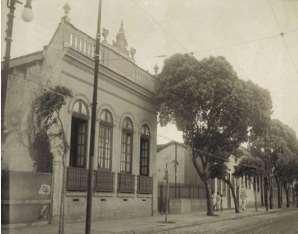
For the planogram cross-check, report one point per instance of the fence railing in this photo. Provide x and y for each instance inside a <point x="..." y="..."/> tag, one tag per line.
<point x="104" y="181"/>
<point x="77" y="179"/>
<point x="179" y="191"/>
<point x="145" y="184"/>
<point x="126" y="183"/>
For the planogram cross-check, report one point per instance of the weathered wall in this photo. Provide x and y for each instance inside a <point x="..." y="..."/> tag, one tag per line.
<point x="23" y="197"/>
<point x="107" y="206"/>
<point x="178" y="206"/>
<point x="186" y="173"/>
<point x="167" y="156"/>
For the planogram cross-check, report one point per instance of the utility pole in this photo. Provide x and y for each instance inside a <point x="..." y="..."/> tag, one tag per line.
<point x="175" y="165"/>
<point x="93" y="125"/>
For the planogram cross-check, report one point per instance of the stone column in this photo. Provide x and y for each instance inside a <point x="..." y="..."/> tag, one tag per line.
<point x="136" y="156"/>
<point x="57" y="150"/>
<point x="56" y="179"/>
<point x="56" y="188"/>
<point x="116" y="154"/>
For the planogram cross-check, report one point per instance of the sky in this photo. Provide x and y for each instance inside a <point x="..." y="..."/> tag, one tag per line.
<point x="247" y="33"/>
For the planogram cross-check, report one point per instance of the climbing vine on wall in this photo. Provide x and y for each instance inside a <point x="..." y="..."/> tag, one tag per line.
<point x="46" y="115"/>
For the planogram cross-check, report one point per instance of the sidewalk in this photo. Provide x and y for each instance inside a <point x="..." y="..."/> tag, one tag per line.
<point x="144" y="225"/>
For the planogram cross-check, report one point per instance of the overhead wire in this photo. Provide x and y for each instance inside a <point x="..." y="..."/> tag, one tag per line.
<point x="282" y="34"/>
<point x="246" y="42"/>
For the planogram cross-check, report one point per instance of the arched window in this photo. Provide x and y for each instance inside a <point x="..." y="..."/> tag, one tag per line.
<point x="145" y="151"/>
<point x="79" y="135"/>
<point x="127" y="146"/>
<point x="105" y="139"/>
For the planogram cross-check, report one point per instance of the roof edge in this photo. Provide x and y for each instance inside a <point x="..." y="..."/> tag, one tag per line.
<point x="160" y="147"/>
<point x="24" y="59"/>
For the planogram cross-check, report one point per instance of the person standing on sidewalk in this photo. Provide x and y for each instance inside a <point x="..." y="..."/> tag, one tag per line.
<point x="221" y="207"/>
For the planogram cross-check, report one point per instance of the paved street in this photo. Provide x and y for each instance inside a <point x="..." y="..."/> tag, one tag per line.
<point x="276" y="221"/>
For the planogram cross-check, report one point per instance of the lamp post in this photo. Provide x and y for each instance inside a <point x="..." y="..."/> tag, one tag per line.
<point x="93" y="123"/>
<point x="27" y="16"/>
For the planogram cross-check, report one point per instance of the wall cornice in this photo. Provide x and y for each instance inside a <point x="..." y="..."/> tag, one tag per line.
<point x="111" y="93"/>
<point x="87" y="64"/>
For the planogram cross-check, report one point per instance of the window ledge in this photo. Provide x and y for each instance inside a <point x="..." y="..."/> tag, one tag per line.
<point x="76" y="194"/>
<point x="126" y="195"/>
<point x="144" y="196"/>
<point x="101" y="194"/>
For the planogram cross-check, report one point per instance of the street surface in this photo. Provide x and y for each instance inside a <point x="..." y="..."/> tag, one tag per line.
<point x="284" y="221"/>
<point x="276" y="223"/>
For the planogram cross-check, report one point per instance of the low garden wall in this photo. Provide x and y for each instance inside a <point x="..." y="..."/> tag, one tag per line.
<point x="25" y="197"/>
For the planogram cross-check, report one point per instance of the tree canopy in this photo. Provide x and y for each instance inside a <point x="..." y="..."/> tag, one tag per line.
<point x="215" y="110"/>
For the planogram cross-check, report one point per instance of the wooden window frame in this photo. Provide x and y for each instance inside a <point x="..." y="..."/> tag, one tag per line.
<point x="126" y="132"/>
<point x="109" y="127"/>
<point x="83" y="118"/>
<point x="145" y="139"/>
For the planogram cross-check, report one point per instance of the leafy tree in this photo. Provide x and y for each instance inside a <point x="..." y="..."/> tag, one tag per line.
<point x="212" y="107"/>
<point x="296" y="193"/>
<point x="253" y="168"/>
<point x="288" y="174"/>
<point x="277" y="150"/>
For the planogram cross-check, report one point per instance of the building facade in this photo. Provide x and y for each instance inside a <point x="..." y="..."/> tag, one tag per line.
<point x="186" y="191"/>
<point x="125" y="145"/>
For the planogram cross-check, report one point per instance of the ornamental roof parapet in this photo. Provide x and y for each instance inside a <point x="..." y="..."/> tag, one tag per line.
<point x="116" y="56"/>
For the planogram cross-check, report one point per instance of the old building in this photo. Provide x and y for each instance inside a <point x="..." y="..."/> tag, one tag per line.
<point x="125" y="130"/>
<point x="186" y="192"/>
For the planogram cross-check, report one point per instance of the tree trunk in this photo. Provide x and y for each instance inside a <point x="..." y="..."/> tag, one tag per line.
<point x="255" y="193"/>
<point x="281" y="195"/>
<point x="278" y="192"/>
<point x="296" y="199"/>
<point x="287" y="195"/>
<point x="266" y="193"/>
<point x="209" y="201"/>
<point x="235" y="198"/>
<point x="271" y="196"/>
<point x="262" y="190"/>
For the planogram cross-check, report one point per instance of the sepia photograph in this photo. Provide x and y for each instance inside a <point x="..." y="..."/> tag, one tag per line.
<point x="149" y="116"/>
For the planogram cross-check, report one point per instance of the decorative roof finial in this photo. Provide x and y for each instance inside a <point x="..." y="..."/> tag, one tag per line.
<point x="105" y="34"/>
<point x="66" y="9"/>
<point x="132" y="53"/>
<point x="121" y="42"/>
<point x="121" y="30"/>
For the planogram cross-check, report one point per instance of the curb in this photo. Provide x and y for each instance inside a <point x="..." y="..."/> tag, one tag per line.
<point x="20" y="225"/>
